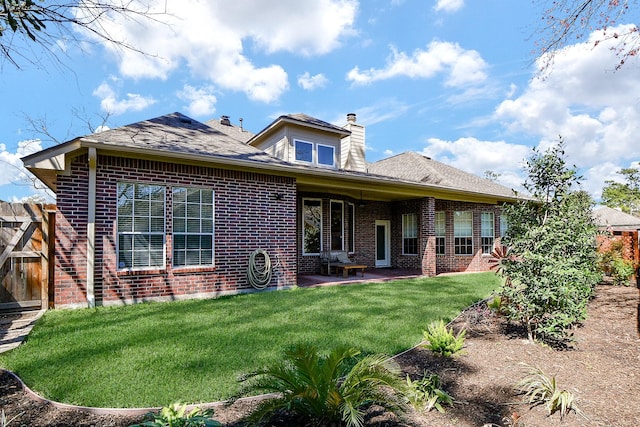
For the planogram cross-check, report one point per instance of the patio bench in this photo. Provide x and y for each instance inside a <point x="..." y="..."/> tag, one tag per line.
<point x="347" y="267"/>
<point x="333" y="260"/>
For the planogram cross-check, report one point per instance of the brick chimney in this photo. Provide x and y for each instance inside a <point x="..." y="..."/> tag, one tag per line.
<point x="352" y="146"/>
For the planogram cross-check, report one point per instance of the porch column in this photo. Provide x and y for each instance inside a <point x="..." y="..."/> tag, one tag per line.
<point x="428" y="235"/>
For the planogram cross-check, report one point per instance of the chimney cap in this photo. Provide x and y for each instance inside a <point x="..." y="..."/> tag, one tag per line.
<point x="351" y="117"/>
<point x="224" y="120"/>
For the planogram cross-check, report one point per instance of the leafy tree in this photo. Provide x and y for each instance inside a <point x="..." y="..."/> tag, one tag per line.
<point x="46" y="23"/>
<point x="326" y="390"/>
<point x="551" y="265"/>
<point x="567" y="21"/>
<point x="623" y="195"/>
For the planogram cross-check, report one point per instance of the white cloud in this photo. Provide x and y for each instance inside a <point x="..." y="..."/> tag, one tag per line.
<point x="202" y="101"/>
<point x="308" y="82"/>
<point x="448" y="5"/>
<point x="14" y="172"/>
<point x="582" y="99"/>
<point x="210" y="38"/>
<point x="111" y="104"/>
<point x="462" y="67"/>
<point x="475" y="156"/>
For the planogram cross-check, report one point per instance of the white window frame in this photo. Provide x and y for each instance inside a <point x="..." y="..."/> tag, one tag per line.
<point x="192" y="221"/>
<point x="302" y="213"/>
<point x="138" y="235"/>
<point x="352" y="227"/>
<point x="314" y="153"/>
<point x="341" y="203"/>
<point x="295" y="149"/>
<point x="410" y="231"/>
<point x="441" y="232"/>
<point x="459" y="233"/>
<point x="487" y="231"/>
<point x="333" y="155"/>
<point x="504" y="225"/>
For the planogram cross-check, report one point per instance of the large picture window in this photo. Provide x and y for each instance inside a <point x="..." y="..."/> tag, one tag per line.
<point x="141" y="225"/>
<point x="311" y="226"/>
<point x="337" y="226"/>
<point x="441" y="233"/>
<point x="410" y="234"/>
<point x="463" y="233"/>
<point x="487" y="232"/>
<point x="193" y="226"/>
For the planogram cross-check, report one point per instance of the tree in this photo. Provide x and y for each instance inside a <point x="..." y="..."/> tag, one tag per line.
<point x="46" y="23"/>
<point x="550" y="269"/>
<point x="623" y="195"/>
<point x="567" y="21"/>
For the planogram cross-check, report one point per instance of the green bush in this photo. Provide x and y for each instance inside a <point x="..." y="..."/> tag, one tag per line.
<point x="176" y="415"/>
<point x="427" y="393"/>
<point x="621" y="271"/>
<point x="441" y="339"/>
<point x="325" y="390"/>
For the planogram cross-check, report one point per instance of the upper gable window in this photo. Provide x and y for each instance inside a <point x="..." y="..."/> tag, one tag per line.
<point x="304" y="151"/>
<point x="314" y="153"/>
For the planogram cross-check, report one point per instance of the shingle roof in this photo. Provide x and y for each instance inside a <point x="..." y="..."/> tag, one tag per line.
<point x="180" y="134"/>
<point x="411" y="166"/>
<point x="606" y="216"/>
<point x="233" y="131"/>
<point x="301" y="117"/>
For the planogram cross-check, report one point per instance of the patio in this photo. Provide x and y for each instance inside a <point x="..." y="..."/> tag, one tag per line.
<point x="370" y="275"/>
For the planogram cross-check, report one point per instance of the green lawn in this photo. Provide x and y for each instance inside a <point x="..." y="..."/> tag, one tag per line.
<point x="193" y="351"/>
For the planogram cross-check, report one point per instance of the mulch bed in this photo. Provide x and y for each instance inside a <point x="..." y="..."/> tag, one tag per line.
<point x="602" y="371"/>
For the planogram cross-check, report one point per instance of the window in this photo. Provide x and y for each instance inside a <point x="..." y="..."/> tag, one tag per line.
<point x="504" y="225"/>
<point x="311" y="226"/>
<point x="463" y="233"/>
<point x="351" y="226"/>
<point x="326" y="155"/>
<point x="487" y="232"/>
<point x="304" y="151"/>
<point x="316" y="154"/>
<point x="141" y="226"/>
<point x="441" y="229"/>
<point x="337" y="229"/>
<point x="192" y="226"/>
<point x="410" y="234"/>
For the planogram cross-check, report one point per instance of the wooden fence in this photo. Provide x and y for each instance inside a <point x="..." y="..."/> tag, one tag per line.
<point x="25" y="250"/>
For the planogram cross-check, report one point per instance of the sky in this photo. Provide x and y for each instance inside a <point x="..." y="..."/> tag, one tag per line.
<point x="455" y="80"/>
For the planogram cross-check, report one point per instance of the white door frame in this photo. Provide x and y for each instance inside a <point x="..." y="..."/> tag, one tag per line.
<point x="386" y="224"/>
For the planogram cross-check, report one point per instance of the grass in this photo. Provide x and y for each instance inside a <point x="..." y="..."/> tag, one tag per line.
<point x="193" y="351"/>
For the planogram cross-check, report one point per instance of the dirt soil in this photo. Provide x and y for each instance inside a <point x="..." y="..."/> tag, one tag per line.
<point x="602" y="371"/>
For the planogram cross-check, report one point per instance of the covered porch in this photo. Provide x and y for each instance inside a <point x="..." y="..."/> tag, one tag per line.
<point x="371" y="275"/>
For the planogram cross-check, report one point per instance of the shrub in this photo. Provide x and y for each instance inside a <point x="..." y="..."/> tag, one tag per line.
<point x="441" y="339"/>
<point x="326" y="389"/>
<point x="621" y="271"/>
<point x="176" y="415"/>
<point x="427" y="393"/>
<point x="539" y="389"/>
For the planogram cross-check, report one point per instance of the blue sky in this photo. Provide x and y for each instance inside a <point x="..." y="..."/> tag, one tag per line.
<point x="453" y="79"/>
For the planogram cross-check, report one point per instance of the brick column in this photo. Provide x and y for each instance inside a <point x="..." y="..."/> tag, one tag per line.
<point x="428" y="236"/>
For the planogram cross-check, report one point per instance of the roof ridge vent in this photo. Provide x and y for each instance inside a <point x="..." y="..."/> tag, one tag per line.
<point x="224" y="120"/>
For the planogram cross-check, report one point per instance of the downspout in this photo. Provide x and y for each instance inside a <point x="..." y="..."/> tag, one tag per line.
<point x="91" y="228"/>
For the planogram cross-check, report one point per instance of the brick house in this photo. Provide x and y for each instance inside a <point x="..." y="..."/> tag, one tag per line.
<point x="171" y="208"/>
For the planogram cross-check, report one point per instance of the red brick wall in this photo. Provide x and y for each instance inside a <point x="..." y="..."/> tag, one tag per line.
<point x="247" y="217"/>
<point x="465" y="263"/>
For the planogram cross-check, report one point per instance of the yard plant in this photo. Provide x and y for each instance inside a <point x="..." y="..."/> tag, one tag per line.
<point x="149" y="355"/>
<point x="176" y="415"/>
<point x="326" y="389"/>
<point x="441" y="339"/>
<point x="550" y="267"/>
<point x="540" y="389"/>
<point x="427" y="393"/>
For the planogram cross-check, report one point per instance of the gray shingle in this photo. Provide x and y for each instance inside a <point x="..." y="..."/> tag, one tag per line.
<point x="411" y="166"/>
<point x="606" y="216"/>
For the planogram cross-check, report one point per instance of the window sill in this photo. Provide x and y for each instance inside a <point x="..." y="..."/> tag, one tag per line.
<point x="194" y="269"/>
<point x="145" y="272"/>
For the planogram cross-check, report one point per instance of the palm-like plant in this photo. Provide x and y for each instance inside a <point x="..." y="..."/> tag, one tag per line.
<point x="327" y="390"/>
